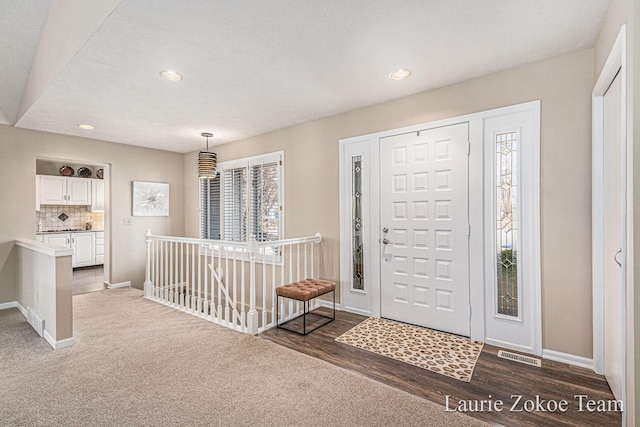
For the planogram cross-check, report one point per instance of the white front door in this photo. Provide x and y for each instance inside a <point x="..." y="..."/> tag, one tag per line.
<point x="424" y="217"/>
<point x="613" y="219"/>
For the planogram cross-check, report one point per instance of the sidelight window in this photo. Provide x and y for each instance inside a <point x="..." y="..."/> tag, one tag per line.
<point x="507" y="221"/>
<point x="357" y="249"/>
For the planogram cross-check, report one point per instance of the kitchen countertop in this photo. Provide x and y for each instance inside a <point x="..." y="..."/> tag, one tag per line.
<point x="65" y="231"/>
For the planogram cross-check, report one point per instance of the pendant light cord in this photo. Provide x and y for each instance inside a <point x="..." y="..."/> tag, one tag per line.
<point x="207" y="135"/>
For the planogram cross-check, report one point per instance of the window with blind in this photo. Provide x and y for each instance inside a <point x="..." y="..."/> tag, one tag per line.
<point x="210" y="208"/>
<point x="235" y="204"/>
<point x="245" y="200"/>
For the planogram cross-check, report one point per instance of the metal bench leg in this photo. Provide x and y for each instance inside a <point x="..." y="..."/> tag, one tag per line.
<point x="304" y="317"/>
<point x="334" y="305"/>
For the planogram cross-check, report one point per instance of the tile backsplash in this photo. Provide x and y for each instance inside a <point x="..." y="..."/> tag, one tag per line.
<point x="55" y="217"/>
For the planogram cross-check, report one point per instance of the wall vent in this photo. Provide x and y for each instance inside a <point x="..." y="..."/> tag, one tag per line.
<point x="36" y="321"/>
<point x="519" y="358"/>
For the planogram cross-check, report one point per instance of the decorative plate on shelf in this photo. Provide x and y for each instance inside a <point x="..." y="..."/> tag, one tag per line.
<point x="84" y="172"/>
<point x="100" y="173"/>
<point x="67" y="171"/>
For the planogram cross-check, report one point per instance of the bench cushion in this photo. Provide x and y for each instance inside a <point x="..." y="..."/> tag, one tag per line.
<point x="305" y="290"/>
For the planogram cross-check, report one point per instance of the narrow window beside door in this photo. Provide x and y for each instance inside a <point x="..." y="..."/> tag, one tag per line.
<point x="507" y="222"/>
<point x="357" y="247"/>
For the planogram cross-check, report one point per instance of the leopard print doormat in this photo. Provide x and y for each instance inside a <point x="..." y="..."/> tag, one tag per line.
<point x="445" y="354"/>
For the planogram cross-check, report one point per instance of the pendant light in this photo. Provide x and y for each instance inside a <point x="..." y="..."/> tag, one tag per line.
<point x="207" y="161"/>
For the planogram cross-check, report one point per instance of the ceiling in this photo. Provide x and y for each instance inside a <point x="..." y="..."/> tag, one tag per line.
<point x="253" y="66"/>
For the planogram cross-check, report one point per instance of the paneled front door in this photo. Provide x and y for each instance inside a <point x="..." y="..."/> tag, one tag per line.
<point x="424" y="218"/>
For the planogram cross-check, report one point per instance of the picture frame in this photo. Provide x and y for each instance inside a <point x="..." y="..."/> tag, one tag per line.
<point x="150" y="199"/>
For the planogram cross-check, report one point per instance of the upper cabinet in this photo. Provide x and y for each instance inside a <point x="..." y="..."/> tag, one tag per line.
<point x="78" y="191"/>
<point x="60" y="190"/>
<point x="97" y="195"/>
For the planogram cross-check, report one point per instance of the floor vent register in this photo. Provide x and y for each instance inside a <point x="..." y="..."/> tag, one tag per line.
<point x="519" y="358"/>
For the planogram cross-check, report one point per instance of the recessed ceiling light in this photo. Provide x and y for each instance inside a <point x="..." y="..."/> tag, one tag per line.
<point x="171" y="75"/>
<point x="87" y="127"/>
<point x="400" y="74"/>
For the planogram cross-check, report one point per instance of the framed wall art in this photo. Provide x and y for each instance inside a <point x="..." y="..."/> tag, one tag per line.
<point x="150" y="199"/>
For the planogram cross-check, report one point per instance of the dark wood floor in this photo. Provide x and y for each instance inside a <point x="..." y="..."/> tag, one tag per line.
<point x="493" y="378"/>
<point x="88" y="279"/>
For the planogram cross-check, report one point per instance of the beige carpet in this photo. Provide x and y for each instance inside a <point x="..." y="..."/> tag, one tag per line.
<point x="136" y="362"/>
<point x="446" y="354"/>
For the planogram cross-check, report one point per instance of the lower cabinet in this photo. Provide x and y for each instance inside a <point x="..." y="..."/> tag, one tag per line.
<point x="58" y="239"/>
<point x="99" y="247"/>
<point x="83" y="245"/>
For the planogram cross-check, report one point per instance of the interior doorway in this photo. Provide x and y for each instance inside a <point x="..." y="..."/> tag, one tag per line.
<point x="72" y="211"/>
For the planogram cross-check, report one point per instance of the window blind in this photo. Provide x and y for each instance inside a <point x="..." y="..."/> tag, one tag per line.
<point x="235" y="204"/>
<point x="243" y="201"/>
<point x="264" y="201"/>
<point x="210" y="208"/>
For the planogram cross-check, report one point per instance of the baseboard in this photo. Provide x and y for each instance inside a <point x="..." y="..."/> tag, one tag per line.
<point x="328" y="304"/>
<point x="6" y="305"/>
<point x="57" y="345"/>
<point x="126" y="284"/>
<point x="22" y="309"/>
<point x="14" y="304"/>
<point x="510" y="346"/>
<point x="358" y="311"/>
<point x="569" y="359"/>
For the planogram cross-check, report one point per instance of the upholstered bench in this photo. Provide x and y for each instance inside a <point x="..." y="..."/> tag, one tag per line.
<point x="305" y="291"/>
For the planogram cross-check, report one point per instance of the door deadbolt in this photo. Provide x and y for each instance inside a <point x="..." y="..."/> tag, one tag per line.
<point x="385" y="230"/>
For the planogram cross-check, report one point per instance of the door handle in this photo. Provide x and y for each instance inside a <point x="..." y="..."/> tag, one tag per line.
<point x="385" y="241"/>
<point x="615" y="258"/>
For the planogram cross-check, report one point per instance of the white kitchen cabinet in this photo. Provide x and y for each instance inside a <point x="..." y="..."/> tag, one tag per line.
<point x="58" y="239"/>
<point x="83" y="245"/>
<point x="53" y="190"/>
<point x="62" y="190"/>
<point x="78" y="191"/>
<point x="99" y="247"/>
<point x="97" y="195"/>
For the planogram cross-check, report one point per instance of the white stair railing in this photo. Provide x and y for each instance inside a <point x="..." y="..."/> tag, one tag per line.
<point x="214" y="279"/>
